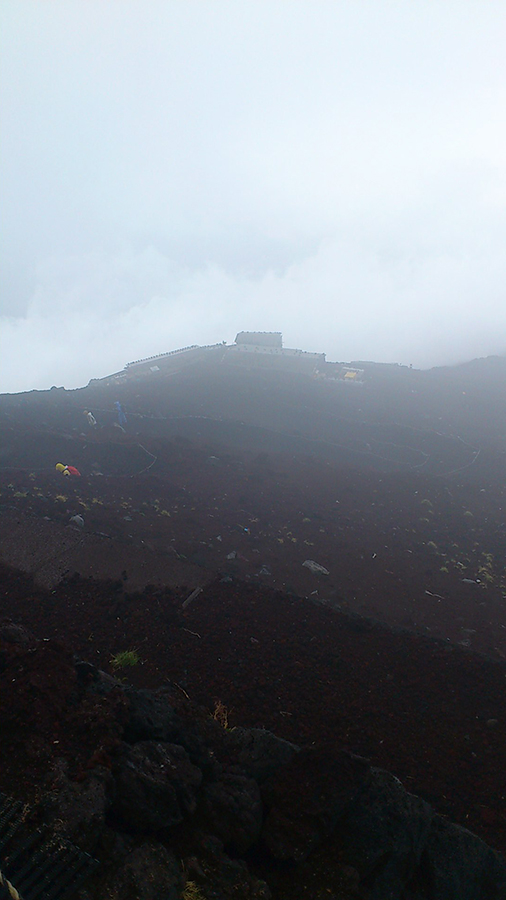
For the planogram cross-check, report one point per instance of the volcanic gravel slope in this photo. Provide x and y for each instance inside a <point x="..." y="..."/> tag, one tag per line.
<point x="229" y="480"/>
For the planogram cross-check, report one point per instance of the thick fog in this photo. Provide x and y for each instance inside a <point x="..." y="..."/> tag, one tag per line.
<point x="175" y="171"/>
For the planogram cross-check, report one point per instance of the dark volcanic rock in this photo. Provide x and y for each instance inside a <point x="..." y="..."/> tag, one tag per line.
<point x="457" y="865"/>
<point x="225" y="878"/>
<point x="77" y="810"/>
<point x="384" y="834"/>
<point x="402" y="849"/>
<point x="15" y="634"/>
<point x="307" y="797"/>
<point x="259" y="752"/>
<point x="233" y="810"/>
<point x="151" y="872"/>
<point x="152" y="718"/>
<point x="156" y="785"/>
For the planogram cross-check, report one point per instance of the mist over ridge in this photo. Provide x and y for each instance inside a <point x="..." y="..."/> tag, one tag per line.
<point x="336" y="173"/>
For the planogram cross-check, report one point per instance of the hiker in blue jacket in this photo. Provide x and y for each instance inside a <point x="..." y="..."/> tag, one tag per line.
<point x="121" y="415"/>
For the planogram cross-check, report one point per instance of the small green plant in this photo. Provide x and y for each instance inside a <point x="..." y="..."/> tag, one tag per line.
<point x="432" y="546"/>
<point x="124" y="659"/>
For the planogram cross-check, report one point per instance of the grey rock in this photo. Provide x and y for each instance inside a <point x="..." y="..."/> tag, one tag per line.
<point x="315" y="567"/>
<point x="77" y="520"/>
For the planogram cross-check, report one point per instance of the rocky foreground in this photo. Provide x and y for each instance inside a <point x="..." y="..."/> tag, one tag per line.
<point x="174" y="803"/>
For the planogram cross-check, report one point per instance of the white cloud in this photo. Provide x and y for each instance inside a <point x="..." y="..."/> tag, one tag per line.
<point x="175" y="172"/>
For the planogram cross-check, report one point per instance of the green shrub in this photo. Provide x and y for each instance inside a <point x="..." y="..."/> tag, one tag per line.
<point x="124" y="659"/>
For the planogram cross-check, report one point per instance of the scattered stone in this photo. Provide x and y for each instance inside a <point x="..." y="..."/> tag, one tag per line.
<point x="191" y="597"/>
<point x="77" y="520"/>
<point x="15" y="634"/>
<point x="315" y="567"/>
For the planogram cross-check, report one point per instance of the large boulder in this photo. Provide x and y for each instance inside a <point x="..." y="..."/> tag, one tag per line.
<point x="222" y="878"/>
<point x="232" y="808"/>
<point x="258" y="752"/>
<point x="307" y="798"/>
<point x="77" y="810"/>
<point x="457" y="865"/>
<point x="150" y="872"/>
<point x="384" y="834"/>
<point x="156" y="786"/>
<point x="151" y="717"/>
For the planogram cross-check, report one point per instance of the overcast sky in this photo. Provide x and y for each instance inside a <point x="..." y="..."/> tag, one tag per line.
<point x="175" y="171"/>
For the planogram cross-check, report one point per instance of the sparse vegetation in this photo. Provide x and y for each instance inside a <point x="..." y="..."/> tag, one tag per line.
<point x="192" y="892"/>
<point x="221" y="714"/>
<point x="124" y="659"/>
